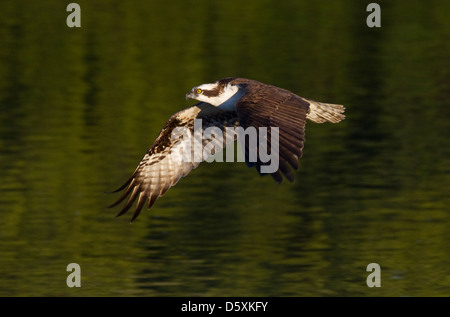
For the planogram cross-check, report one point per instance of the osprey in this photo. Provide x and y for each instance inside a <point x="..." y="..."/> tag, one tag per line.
<point x="228" y="102"/>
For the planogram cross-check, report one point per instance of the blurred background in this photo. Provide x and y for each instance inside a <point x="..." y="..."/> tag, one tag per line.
<point x="79" y="107"/>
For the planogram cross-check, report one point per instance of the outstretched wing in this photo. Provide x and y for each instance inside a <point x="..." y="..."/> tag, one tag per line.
<point x="173" y="154"/>
<point x="270" y="106"/>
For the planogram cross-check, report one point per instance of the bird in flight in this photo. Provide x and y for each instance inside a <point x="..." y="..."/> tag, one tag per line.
<point x="227" y="103"/>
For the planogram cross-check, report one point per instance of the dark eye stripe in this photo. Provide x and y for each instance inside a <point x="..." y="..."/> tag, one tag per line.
<point x="213" y="93"/>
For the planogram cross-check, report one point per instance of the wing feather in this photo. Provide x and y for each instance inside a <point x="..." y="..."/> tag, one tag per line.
<point x="158" y="169"/>
<point x="269" y="106"/>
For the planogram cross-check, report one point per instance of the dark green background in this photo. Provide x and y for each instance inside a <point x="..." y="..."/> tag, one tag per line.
<point x="79" y="107"/>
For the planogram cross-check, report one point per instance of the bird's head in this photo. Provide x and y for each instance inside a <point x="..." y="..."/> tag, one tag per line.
<point x="216" y="94"/>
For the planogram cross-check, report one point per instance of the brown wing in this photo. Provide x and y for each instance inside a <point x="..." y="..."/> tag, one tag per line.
<point x="269" y="106"/>
<point x="161" y="167"/>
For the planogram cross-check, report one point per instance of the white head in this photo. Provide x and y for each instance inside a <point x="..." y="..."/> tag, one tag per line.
<point x="222" y="94"/>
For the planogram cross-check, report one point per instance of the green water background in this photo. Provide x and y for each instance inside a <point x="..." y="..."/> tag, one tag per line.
<point x="79" y="107"/>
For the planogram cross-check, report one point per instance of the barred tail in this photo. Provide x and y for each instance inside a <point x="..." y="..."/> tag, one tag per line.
<point x="325" y="112"/>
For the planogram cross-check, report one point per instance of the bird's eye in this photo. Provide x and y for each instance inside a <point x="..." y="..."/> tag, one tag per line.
<point x="199" y="91"/>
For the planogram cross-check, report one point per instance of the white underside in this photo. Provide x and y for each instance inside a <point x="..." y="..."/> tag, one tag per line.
<point x="230" y="103"/>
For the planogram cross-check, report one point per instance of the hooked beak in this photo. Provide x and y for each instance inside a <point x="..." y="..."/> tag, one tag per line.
<point x="190" y="95"/>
